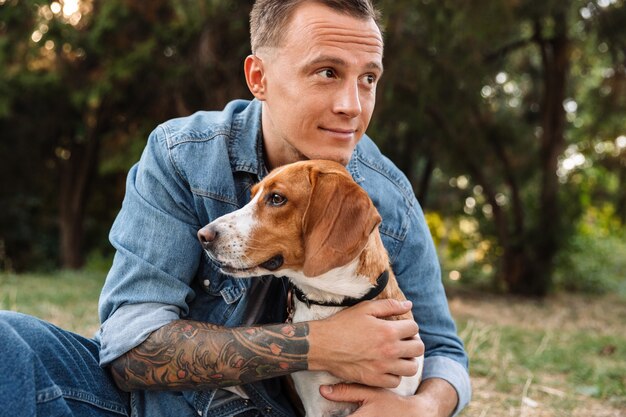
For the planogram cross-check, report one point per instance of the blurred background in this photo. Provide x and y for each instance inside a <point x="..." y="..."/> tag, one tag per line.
<point x="508" y="117"/>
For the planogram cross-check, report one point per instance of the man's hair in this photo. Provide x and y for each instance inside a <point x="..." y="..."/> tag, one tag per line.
<point x="269" y="18"/>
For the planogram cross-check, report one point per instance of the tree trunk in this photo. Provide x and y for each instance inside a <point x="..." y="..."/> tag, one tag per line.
<point x="544" y="241"/>
<point x="78" y="167"/>
<point x="424" y="181"/>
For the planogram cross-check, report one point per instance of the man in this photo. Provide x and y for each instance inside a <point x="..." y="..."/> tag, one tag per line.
<point x="187" y="340"/>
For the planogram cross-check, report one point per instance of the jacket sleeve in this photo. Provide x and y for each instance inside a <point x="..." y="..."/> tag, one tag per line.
<point x="419" y="275"/>
<point x="157" y="253"/>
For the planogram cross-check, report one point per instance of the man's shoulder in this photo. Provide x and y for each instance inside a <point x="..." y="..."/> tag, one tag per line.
<point x="388" y="188"/>
<point x="380" y="174"/>
<point x="206" y="148"/>
<point x="203" y="126"/>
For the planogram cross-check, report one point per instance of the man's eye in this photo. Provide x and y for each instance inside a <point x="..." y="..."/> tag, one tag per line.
<point x="370" y="79"/>
<point x="327" y="73"/>
<point x="276" y="199"/>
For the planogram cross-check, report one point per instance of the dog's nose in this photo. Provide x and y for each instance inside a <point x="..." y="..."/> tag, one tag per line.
<point x="207" y="236"/>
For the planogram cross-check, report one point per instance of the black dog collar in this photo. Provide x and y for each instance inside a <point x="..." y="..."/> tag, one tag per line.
<point x="381" y="283"/>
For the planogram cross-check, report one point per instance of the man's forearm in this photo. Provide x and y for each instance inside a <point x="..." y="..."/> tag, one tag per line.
<point x="443" y="396"/>
<point x="188" y="355"/>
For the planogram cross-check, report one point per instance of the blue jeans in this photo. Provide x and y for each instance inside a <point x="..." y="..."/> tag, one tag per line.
<point x="46" y="371"/>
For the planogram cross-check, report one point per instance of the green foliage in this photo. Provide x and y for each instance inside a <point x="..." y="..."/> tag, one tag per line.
<point x="595" y="260"/>
<point x="462" y="109"/>
<point x="466" y="256"/>
<point x="479" y="87"/>
<point x="79" y="95"/>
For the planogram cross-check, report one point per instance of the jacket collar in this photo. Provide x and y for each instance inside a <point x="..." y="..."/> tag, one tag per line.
<point x="246" y="150"/>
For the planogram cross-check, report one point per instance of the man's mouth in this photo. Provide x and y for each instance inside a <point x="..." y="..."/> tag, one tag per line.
<point x="338" y="131"/>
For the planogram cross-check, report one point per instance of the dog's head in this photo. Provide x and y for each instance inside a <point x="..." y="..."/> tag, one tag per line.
<point x="309" y="217"/>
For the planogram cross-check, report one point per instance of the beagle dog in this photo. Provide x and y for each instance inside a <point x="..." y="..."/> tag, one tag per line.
<point x="309" y="221"/>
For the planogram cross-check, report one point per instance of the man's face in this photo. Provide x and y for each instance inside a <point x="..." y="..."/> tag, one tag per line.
<point x="319" y="85"/>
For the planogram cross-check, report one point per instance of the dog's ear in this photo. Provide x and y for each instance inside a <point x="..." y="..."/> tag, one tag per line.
<point x="337" y="223"/>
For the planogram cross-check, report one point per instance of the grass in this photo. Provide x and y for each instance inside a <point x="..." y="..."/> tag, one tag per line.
<point x="67" y="299"/>
<point x="563" y="356"/>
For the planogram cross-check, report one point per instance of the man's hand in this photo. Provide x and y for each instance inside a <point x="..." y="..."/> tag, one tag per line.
<point x="435" y="398"/>
<point x="358" y="345"/>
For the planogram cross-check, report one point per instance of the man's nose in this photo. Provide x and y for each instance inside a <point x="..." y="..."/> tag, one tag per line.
<point x="348" y="101"/>
<point x="207" y="235"/>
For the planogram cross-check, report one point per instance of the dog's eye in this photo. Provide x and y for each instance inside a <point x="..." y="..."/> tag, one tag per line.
<point x="276" y="200"/>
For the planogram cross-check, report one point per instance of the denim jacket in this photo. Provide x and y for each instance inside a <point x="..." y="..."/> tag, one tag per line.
<point x="197" y="168"/>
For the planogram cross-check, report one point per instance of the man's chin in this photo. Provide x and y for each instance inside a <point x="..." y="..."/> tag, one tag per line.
<point x="340" y="157"/>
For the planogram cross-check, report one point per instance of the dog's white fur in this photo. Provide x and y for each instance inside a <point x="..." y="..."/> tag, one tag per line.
<point x="326" y="287"/>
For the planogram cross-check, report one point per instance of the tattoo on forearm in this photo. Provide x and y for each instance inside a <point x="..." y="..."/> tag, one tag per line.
<point x="190" y="355"/>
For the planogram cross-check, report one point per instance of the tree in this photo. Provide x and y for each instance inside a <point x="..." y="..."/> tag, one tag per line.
<point x="506" y="115"/>
<point x="487" y="95"/>
<point x="102" y="74"/>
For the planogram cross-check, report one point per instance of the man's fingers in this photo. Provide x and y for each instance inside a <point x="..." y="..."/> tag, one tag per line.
<point x="387" y="307"/>
<point x="400" y="340"/>
<point x="351" y="393"/>
<point x="404" y="367"/>
<point x="406" y="329"/>
<point x="411" y="348"/>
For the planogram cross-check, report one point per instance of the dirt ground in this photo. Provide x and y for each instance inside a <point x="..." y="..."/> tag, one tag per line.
<point x="543" y="394"/>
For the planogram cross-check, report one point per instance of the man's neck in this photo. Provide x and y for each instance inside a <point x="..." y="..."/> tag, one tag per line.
<point x="277" y="151"/>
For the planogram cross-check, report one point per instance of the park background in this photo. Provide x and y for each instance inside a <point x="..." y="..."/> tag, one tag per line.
<point x="507" y="116"/>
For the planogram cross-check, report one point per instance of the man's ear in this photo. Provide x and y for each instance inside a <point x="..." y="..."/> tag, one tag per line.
<point x="255" y="76"/>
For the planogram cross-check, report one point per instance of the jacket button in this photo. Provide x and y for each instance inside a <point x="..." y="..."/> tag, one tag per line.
<point x="268" y="409"/>
<point x="206" y="283"/>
